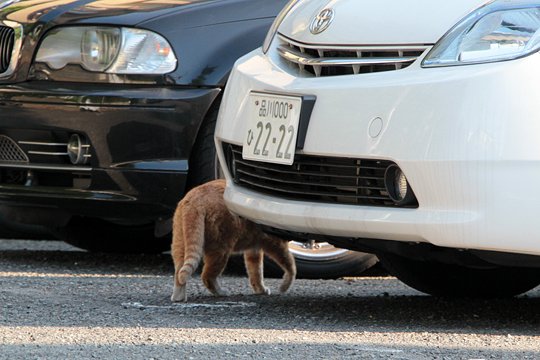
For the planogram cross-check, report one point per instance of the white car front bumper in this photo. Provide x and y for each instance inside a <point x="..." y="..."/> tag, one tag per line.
<point x="467" y="138"/>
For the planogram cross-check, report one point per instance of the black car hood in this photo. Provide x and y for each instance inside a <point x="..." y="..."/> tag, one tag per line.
<point x="206" y="35"/>
<point x="129" y="13"/>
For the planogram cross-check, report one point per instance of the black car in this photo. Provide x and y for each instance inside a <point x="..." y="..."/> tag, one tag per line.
<point x="107" y="110"/>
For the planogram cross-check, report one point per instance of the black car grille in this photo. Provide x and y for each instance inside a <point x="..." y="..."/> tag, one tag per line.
<point x="10" y="151"/>
<point x="7" y="41"/>
<point x="40" y="158"/>
<point x="37" y="147"/>
<point x="321" y="60"/>
<point x="315" y="178"/>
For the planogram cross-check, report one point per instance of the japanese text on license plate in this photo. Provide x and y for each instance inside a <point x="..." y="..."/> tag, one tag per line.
<point x="272" y="128"/>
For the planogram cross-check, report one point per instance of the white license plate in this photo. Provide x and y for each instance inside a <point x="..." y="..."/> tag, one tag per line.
<point x="272" y="128"/>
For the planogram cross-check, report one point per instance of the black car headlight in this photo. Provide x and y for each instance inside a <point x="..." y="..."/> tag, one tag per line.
<point x="107" y="49"/>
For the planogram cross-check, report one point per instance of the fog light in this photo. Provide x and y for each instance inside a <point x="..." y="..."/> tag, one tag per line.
<point x="397" y="186"/>
<point x="77" y="150"/>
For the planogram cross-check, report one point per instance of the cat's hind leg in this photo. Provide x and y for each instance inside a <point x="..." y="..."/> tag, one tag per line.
<point x="179" y="292"/>
<point x="278" y="250"/>
<point x="253" y="260"/>
<point x="214" y="264"/>
<point x="182" y="276"/>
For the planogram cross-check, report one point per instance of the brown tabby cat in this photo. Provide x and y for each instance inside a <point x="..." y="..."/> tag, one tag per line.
<point x="203" y="225"/>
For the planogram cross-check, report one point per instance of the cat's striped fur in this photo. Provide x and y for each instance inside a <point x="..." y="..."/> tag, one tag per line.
<point x="204" y="227"/>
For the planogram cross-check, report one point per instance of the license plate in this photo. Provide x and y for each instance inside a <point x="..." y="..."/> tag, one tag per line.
<point x="272" y="128"/>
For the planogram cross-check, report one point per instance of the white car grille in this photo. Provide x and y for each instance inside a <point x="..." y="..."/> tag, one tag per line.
<point x="319" y="60"/>
<point x="332" y="180"/>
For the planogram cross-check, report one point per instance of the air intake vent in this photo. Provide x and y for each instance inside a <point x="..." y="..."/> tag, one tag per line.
<point x="10" y="151"/>
<point x="321" y="60"/>
<point x="315" y="178"/>
<point x="7" y="41"/>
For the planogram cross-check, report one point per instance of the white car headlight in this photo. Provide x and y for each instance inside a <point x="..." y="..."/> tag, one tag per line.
<point x="107" y="49"/>
<point x="275" y="25"/>
<point x="499" y="31"/>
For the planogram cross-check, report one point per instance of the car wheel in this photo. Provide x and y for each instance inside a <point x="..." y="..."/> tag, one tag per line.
<point x="448" y="280"/>
<point x="204" y="164"/>
<point x="102" y="236"/>
<point x="320" y="260"/>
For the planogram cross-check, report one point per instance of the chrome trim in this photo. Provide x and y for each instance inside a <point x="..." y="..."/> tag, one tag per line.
<point x="318" y="56"/>
<point x="321" y="21"/>
<point x="329" y="47"/>
<point x="53" y="153"/>
<point x="15" y="53"/>
<point x="47" y="153"/>
<point x="277" y="22"/>
<point x="304" y="59"/>
<point x="314" y="250"/>
<point x="41" y="143"/>
<point x="46" y="167"/>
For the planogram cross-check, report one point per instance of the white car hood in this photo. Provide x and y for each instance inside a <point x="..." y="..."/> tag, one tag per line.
<point x="377" y="22"/>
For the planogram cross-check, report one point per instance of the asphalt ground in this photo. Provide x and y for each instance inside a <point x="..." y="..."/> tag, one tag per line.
<point x="58" y="302"/>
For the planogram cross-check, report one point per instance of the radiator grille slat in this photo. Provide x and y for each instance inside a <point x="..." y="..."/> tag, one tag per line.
<point x="314" y="178"/>
<point x="300" y="169"/>
<point x="285" y="182"/>
<point x="288" y="191"/>
<point x="321" y="60"/>
<point x="7" y="41"/>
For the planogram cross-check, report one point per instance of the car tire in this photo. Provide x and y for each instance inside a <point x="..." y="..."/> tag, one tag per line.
<point x="323" y="261"/>
<point x="449" y="280"/>
<point x="98" y="235"/>
<point x="204" y="166"/>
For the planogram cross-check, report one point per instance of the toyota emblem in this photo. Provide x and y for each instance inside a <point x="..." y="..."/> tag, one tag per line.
<point x="322" y="21"/>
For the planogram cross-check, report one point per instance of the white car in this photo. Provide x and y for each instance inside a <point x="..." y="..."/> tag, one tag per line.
<point x="409" y="129"/>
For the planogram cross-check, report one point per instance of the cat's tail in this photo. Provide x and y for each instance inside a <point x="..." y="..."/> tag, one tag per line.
<point x="188" y="245"/>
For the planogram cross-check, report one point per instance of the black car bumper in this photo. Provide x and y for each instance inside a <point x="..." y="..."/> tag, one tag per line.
<point x="138" y="142"/>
